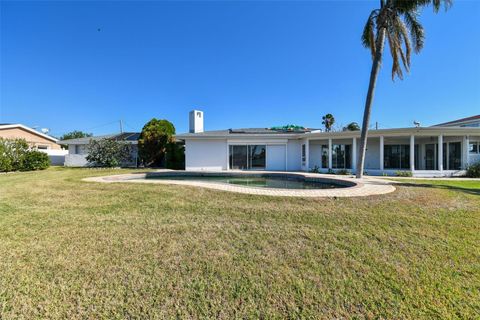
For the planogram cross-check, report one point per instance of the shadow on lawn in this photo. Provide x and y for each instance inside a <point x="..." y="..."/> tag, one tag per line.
<point x="472" y="191"/>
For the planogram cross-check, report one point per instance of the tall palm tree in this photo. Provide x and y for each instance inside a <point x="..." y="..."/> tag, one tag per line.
<point x="397" y="22"/>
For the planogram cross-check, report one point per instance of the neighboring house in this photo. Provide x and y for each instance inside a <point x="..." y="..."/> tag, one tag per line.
<point x="441" y="150"/>
<point x="36" y="140"/>
<point x="78" y="148"/>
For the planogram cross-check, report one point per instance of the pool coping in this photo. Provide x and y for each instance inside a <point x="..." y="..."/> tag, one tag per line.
<point x="366" y="186"/>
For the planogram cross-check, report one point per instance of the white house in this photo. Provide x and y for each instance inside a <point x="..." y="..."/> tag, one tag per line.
<point x="78" y="148"/>
<point x="441" y="150"/>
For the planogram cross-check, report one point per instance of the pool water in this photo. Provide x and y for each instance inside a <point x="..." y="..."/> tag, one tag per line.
<point x="257" y="182"/>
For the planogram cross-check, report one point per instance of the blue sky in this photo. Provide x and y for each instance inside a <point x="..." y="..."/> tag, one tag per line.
<point x="245" y="64"/>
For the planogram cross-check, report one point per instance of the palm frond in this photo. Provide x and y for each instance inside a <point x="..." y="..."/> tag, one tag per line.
<point x="417" y="33"/>
<point x="395" y="46"/>
<point x="401" y="33"/>
<point x="368" y="35"/>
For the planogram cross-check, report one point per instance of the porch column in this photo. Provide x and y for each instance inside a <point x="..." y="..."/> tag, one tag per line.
<point x="354" y="154"/>
<point x="307" y="155"/>
<point x="466" y="145"/>
<point x="412" y="153"/>
<point x="330" y="153"/>
<point x="440" y="152"/>
<point x="381" y="153"/>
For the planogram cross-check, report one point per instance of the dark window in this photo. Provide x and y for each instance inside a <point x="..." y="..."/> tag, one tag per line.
<point x="324" y="156"/>
<point x="473" y="147"/>
<point x="341" y="156"/>
<point x="304" y="153"/>
<point x="243" y="157"/>
<point x="454" y="156"/>
<point x="396" y="156"/>
<point x="238" y="157"/>
<point x="257" y="156"/>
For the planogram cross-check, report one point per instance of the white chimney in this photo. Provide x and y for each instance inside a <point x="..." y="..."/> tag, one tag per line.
<point x="196" y="121"/>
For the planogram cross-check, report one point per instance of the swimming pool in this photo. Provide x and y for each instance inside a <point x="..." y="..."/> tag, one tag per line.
<point x="263" y="181"/>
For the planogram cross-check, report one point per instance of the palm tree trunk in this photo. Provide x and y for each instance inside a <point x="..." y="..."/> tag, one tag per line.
<point x="377" y="61"/>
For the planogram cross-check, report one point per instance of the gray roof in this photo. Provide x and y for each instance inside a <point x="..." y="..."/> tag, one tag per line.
<point x="130" y="137"/>
<point x="245" y="131"/>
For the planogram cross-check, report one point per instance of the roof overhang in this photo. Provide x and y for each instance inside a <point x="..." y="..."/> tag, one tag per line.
<point x="421" y="131"/>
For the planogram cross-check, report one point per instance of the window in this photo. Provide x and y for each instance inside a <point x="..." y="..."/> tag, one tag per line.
<point x="244" y="157"/>
<point x="324" y="156"/>
<point x="454" y="156"/>
<point x="42" y="147"/>
<point x="341" y="156"/>
<point x="474" y="147"/>
<point x="396" y="156"/>
<point x="304" y="153"/>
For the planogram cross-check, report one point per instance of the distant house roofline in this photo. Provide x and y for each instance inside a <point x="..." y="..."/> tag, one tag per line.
<point x="467" y="119"/>
<point x="130" y="137"/>
<point x="18" y="125"/>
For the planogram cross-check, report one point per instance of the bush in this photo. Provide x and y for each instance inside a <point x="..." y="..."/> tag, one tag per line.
<point x="343" y="172"/>
<point x="403" y="173"/>
<point x="175" y="154"/>
<point x="315" y="169"/>
<point x="108" y="153"/>
<point x="16" y="155"/>
<point x="35" y="160"/>
<point x="473" y="171"/>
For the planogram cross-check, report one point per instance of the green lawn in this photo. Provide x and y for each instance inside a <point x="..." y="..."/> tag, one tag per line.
<point x="77" y="250"/>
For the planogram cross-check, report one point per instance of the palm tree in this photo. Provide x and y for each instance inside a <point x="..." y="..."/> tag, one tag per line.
<point x="328" y="121"/>
<point x="397" y="21"/>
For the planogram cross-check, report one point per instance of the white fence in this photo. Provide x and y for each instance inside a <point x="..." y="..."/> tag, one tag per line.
<point x="57" y="157"/>
<point x="75" y="160"/>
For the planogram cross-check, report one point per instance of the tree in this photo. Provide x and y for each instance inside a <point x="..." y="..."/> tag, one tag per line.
<point x="328" y="121"/>
<point x="397" y="21"/>
<point x="76" y="134"/>
<point x="352" y="126"/>
<point x="155" y="138"/>
<point x="108" y="153"/>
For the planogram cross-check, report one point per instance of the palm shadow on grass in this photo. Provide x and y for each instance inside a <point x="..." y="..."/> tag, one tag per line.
<point x="467" y="190"/>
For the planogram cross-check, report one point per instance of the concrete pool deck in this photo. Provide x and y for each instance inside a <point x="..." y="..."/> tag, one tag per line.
<point x="366" y="186"/>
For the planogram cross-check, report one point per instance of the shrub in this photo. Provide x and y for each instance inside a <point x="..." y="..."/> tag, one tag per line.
<point x="473" y="171"/>
<point x="315" y="169"/>
<point x="175" y="154"/>
<point x="35" y="160"/>
<point x="15" y="155"/>
<point x="343" y="172"/>
<point x="403" y="173"/>
<point x="108" y="153"/>
<point x="12" y="154"/>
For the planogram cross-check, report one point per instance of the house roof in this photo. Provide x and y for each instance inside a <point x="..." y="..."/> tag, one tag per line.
<point x="130" y="137"/>
<point x="247" y="131"/>
<point x="459" y="121"/>
<point x="242" y="133"/>
<point x="4" y="126"/>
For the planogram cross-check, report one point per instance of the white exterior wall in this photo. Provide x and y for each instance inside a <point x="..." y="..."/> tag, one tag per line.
<point x="206" y="155"/>
<point x="315" y="156"/>
<point x="372" y="155"/>
<point x="294" y="155"/>
<point x="276" y="157"/>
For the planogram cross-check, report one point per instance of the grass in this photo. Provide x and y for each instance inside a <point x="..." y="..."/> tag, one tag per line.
<point x="77" y="250"/>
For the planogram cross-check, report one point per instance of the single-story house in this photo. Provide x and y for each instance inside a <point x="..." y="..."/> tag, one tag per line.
<point x="36" y="139"/>
<point x="441" y="150"/>
<point x="78" y="148"/>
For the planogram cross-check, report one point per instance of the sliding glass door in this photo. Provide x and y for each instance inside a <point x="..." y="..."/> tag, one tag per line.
<point x="248" y="157"/>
